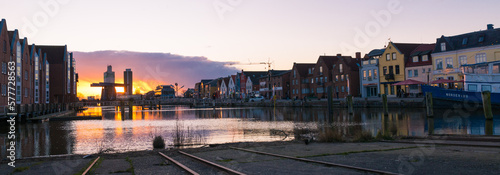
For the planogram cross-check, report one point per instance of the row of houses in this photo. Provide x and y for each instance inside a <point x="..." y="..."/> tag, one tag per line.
<point x="467" y="61"/>
<point x="43" y="73"/>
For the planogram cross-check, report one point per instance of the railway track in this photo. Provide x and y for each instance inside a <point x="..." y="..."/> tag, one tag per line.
<point x="317" y="162"/>
<point x="198" y="166"/>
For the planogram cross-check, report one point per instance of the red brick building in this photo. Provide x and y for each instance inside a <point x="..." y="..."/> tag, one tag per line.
<point x="5" y="57"/>
<point x="345" y="74"/>
<point x="279" y="85"/>
<point x="300" y="80"/>
<point x="61" y="82"/>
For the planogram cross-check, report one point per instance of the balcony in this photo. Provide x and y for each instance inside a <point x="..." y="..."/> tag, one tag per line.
<point x="389" y="76"/>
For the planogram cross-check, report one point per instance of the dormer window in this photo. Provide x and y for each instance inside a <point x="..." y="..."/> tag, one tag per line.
<point x="415" y="59"/>
<point x="464" y="41"/>
<point x="481" y="39"/>
<point x="443" y="47"/>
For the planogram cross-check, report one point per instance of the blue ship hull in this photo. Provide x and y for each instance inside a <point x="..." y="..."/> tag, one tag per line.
<point x="459" y="96"/>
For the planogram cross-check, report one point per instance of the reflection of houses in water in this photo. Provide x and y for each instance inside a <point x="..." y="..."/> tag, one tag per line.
<point x="40" y="139"/>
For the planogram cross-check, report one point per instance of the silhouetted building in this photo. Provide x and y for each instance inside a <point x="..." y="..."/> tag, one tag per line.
<point x="127" y="81"/>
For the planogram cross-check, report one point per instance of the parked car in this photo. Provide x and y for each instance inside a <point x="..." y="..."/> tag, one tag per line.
<point x="253" y="99"/>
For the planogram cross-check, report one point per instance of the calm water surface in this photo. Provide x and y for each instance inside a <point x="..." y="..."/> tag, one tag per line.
<point x="120" y="131"/>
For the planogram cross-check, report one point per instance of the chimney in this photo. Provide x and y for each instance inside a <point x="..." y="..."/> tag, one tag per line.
<point x="358" y="55"/>
<point x="490" y="27"/>
<point x="339" y="55"/>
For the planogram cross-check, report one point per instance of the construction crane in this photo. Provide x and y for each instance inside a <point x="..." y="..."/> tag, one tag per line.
<point x="269" y="73"/>
<point x="268" y="63"/>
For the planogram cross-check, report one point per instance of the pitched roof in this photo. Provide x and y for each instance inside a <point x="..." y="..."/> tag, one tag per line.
<point x="353" y="63"/>
<point x="254" y="75"/>
<point x="406" y="48"/>
<point x="376" y="52"/>
<point x="205" y="81"/>
<point x="55" y="54"/>
<point x="423" y="49"/>
<point x="302" y="68"/>
<point x="469" y="40"/>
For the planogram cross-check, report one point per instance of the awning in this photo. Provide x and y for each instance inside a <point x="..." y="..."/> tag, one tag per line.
<point x="443" y="81"/>
<point x="408" y="82"/>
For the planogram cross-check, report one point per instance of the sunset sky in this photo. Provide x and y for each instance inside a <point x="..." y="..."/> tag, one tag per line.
<point x="184" y="41"/>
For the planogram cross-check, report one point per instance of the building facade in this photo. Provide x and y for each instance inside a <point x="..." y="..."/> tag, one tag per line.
<point x="452" y="52"/>
<point x="369" y="74"/>
<point x="392" y="67"/>
<point x="345" y="74"/>
<point x="299" y="77"/>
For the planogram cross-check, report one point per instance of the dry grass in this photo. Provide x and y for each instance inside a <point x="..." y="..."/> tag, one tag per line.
<point x="330" y="135"/>
<point x="363" y="136"/>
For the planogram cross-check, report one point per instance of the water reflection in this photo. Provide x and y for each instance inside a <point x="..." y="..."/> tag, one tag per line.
<point x="123" y="130"/>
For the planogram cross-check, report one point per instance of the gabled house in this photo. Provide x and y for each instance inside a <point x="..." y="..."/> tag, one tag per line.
<point x="62" y="79"/>
<point x="369" y="74"/>
<point x="321" y="78"/>
<point x="392" y="67"/>
<point x="275" y="85"/>
<point x="232" y="86"/>
<point x="345" y="74"/>
<point x="5" y="57"/>
<point x="299" y="77"/>
<point x="224" y="91"/>
<point x="419" y="65"/>
<point x="452" y="52"/>
<point x="249" y="80"/>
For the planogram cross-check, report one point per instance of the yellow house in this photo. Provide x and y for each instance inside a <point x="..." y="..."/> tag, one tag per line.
<point x="452" y="52"/>
<point x="392" y="66"/>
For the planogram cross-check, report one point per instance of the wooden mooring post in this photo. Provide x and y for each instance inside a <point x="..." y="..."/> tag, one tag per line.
<point x="429" y="106"/>
<point x="330" y="101"/>
<point x="349" y="104"/>
<point x="384" y="104"/>
<point x="488" y="113"/>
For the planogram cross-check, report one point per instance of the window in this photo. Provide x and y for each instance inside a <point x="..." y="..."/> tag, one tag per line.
<point x="415" y="73"/>
<point x="473" y="87"/>
<point x="385" y="70"/>
<point x="480" y="57"/>
<point x="375" y="73"/>
<point x="364" y="75"/>
<point x="341" y="68"/>
<point x="341" y="77"/>
<point x="391" y="70"/>
<point x="496" y="69"/>
<point x="26" y="75"/>
<point x="443" y="47"/>
<point x="336" y="77"/>
<point x="326" y="79"/>
<point x="410" y="73"/>
<point x="485" y="88"/>
<point x="294" y="73"/>
<point x="449" y="62"/>
<point x="4" y="68"/>
<point x="464" y="41"/>
<point x="310" y="71"/>
<point x="317" y="80"/>
<point x="397" y="69"/>
<point x="4" y="90"/>
<point x="321" y="70"/>
<point x="26" y="92"/>
<point x="342" y="88"/>
<point x="337" y="88"/>
<point x="4" y="46"/>
<point x="386" y="91"/>
<point x="439" y="64"/>
<point x="392" y="90"/>
<point x="347" y="77"/>
<point x="312" y="80"/>
<point x="394" y="56"/>
<point x="425" y="58"/>
<point x="481" y="39"/>
<point x="388" y="57"/>
<point x="462" y="60"/>
<point x="415" y="59"/>
<point x="423" y="70"/>
<point x="369" y="74"/>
